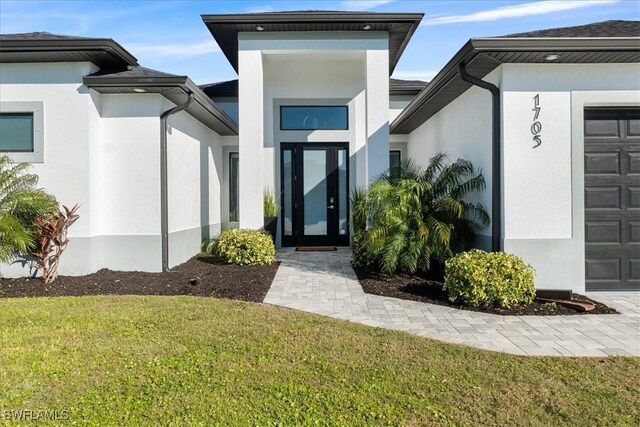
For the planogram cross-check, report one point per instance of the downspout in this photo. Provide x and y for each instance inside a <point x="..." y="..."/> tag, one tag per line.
<point x="496" y="178"/>
<point x="164" y="183"/>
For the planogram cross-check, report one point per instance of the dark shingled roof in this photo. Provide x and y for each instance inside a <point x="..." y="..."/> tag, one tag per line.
<point x="597" y="29"/>
<point x="226" y="88"/>
<point x="139" y="72"/>
<point x="400" y="82"/>
<point x="230" y="88"/>
<point x="42" y="46"/>
<point x="40" y="35"/>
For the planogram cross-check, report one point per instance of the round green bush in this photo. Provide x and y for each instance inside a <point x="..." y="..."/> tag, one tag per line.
<point x="482" y="279"/>
<point x="246" y="247"/>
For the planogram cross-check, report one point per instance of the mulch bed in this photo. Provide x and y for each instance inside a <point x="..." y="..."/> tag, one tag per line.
<point x="202" y="275"/>
<point x="421" y="289"/>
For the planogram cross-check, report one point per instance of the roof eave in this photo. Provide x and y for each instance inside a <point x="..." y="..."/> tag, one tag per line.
<point x="181" y="82"/>
<point x="439" y="80"/>
<point x="297" y="17"/>
<point x="412" y="19"/>
<point x="476" y="46"/>
<point x="113" y="48"/>
<point x="565" y="43"/>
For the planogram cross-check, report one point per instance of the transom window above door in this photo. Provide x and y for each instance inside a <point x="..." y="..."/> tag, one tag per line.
<point x="320" y="117"/>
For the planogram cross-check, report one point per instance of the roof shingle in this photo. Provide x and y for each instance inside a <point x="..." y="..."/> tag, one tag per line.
<point x="140" y="72"/>
<point x="597" y="29"/>
<point x="40" y="35"/>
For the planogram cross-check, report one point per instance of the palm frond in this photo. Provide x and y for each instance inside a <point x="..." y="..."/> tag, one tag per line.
<point x="20" y="205"/>
<point x="405" y="222"/>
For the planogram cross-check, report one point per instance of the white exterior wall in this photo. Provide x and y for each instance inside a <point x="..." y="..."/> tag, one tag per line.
<point x="131" y="154"/>
<point x="102" y="152"/>
<point x="250" y="137"/>
<point x="71" y="130"/>
<point x="377" y="64"/>
<point x="195" y="174"/>
<point x="462" y="130"/>
<point x="543" y="206"/>
<point x="309" y="68"/>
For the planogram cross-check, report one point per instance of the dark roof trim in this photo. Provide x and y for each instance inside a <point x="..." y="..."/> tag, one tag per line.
<point x="490" y="51"/>
<point x="405" y="88"/>
<point x="560" y="44"/>
<point x="404" y="23"/>
<point x="229" y="88"/>
<point x="79" y="49"/>
<point x="311" y="16"/>
<point x="102" y="83"/>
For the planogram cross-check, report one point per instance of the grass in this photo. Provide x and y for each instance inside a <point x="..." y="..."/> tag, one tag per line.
<point x="186" y="360"/>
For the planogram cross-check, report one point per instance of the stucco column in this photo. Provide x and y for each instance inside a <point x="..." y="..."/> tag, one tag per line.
<point x="377" y="93"/>
<point x="250" y="138"/>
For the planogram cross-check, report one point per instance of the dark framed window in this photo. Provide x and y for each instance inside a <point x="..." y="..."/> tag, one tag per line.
<point x="16" y="132"/>
<point x="234" y="159"/>
<point x="319" y="117"/>
<point x="395" y="161"/>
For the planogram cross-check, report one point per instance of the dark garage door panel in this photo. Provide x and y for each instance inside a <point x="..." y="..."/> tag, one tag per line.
<point x="612" y="199"/>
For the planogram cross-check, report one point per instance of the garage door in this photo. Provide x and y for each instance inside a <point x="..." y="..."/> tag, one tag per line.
<point x="612" y="199"/>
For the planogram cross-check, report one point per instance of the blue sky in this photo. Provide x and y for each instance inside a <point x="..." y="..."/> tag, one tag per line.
<point x="170" y="36"/>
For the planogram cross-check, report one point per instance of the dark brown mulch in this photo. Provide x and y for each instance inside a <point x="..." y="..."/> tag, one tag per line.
<point x="210" y="278"/>
<point x="417" y="288"/>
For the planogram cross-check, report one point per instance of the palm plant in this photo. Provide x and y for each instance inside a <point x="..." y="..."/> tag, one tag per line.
<point x="20" y="205"/>
<point x="404" y="222"/>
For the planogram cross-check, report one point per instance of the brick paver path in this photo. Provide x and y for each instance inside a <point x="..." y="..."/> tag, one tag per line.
<point x="324" y="283"/>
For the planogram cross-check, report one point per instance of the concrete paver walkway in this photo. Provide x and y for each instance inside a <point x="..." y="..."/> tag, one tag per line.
<point x="324" y="283"/>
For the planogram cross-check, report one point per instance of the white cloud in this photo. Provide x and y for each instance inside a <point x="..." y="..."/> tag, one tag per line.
<point x="364" y="4"/>
<point x="28" y="16"/>
<point x="260" y="9"/>
<point x="518" y="11"/>
<point x="175" y="51"/>
<point x="424" y="75"/>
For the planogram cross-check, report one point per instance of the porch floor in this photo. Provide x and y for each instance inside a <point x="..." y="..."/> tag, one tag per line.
<point x="324" y="283"/>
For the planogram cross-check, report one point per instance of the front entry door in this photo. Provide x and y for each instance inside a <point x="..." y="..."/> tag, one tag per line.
<point x="314" y="201"/>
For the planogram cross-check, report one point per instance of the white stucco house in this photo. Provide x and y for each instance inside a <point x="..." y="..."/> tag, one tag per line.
<point x="158" y="163"/>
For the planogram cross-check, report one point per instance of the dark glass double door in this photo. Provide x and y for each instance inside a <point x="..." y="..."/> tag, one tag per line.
<point x="315" y="189"/>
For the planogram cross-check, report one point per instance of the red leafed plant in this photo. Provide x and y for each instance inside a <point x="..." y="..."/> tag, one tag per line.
<point x="52" y="241"/>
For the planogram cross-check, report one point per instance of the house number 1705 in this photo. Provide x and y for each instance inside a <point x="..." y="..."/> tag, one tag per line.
<point x="536" y="127"/>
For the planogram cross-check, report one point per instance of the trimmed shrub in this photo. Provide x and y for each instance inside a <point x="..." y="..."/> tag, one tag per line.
<point x="482" y="279"/>
<point x="360" y="255"/>
<point x="245" y="247"/>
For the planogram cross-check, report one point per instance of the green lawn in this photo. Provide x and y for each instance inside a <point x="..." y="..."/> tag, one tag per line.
<point x="153" y="360"/>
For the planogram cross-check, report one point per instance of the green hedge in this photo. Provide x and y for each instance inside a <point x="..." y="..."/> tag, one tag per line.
<point x="245" y="247"/>
<point x="498" y="279"/>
